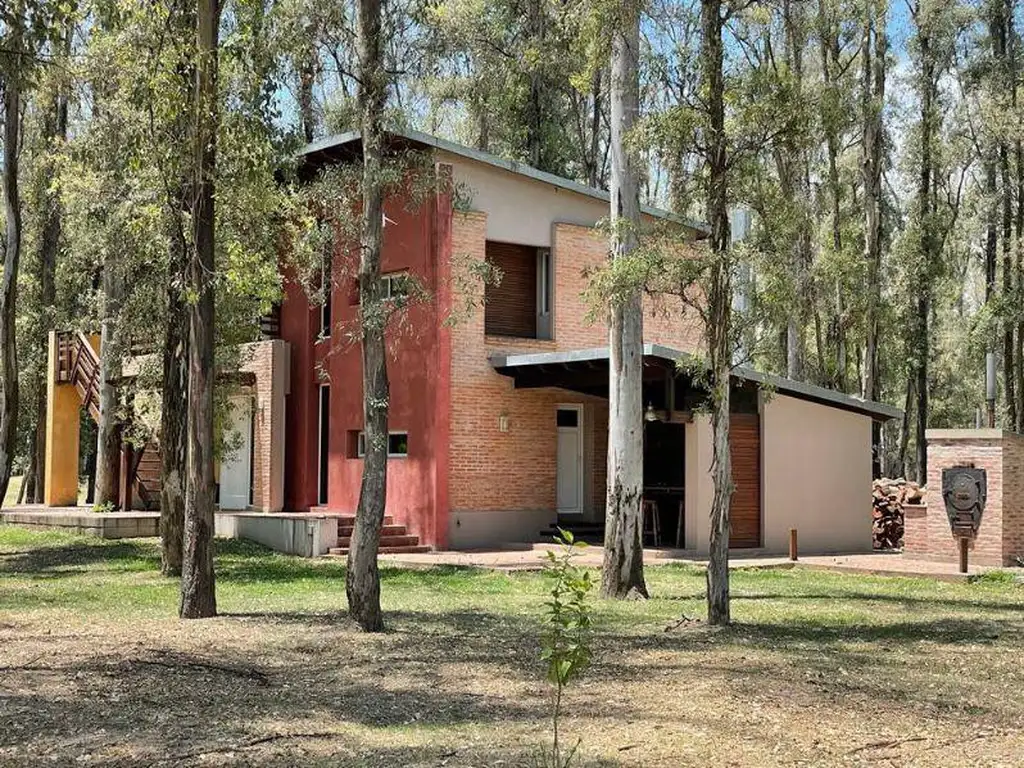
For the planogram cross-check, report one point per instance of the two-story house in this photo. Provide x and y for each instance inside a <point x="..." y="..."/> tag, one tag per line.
<point x="498" y="409"/>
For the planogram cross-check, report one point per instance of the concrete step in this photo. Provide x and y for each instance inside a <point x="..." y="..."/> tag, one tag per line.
<point x="407" y="550"/>
<point x="386" y="541"/>
<point x="345" y="530"/>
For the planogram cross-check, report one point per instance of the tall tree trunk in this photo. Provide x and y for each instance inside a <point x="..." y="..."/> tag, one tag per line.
<point x="991" y="249"/>
<point x="623" y="568"/>
<point x="534" y="109"/>
<point x="829" y="41"/>
<point x="362" y="579"/>
<point x="594" y="163"/>
<point x="719" y="300"/>
<point x="174" y="399"/>
<point x="307" y="77"/>
<point x="874" y="47"/>
<point x="108" y="447"/>
<point x="175" y="374"/>
<point x="12" y="257"/>
<point x="55" y="131"/>
<point x="1018" y="242"/>
<point x="198" y="590"/>
<point x="925" y="197"/>
<point x="796" y="185"/>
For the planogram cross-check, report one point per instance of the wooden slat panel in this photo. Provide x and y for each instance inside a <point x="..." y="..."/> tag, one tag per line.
<point x="745" y="454"/>
<point x="510" y="308"/>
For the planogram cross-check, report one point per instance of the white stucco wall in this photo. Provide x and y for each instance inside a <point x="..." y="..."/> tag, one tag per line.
<point x="519" y="209"/>
<point x="816" y="476"/>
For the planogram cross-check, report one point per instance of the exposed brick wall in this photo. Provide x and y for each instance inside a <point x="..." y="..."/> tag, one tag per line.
<point x="1000" y="538"/>
<point x="577" y="249"/>
<point x="491" y="470"/>
<point x="268" y="362"/>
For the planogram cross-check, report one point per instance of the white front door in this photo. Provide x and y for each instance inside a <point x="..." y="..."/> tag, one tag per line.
<point x="235" y="465"/>
<point x="570" y="459"/>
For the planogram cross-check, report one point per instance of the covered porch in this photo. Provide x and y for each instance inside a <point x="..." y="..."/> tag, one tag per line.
<point x="772" y="442"/>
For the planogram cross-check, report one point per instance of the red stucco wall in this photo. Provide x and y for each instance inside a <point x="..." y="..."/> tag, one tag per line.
<point x="418" y="354"/>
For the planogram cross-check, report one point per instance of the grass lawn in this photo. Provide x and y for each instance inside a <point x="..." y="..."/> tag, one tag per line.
<point x="819" y="669"/>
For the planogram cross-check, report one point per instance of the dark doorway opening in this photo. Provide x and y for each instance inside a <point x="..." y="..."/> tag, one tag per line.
<point x="664" y="477"/>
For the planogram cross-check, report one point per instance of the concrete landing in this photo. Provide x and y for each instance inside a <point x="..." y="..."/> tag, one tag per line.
<point x="105" y="525"/>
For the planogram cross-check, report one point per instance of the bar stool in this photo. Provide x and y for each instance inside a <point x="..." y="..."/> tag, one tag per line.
<point x="650" y="512"/>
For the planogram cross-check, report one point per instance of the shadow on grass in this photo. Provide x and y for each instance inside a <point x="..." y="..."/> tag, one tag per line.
<point x="72" y="559"/>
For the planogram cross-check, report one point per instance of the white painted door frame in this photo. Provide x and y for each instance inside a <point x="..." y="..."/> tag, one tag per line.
<point x="236" y="467"/>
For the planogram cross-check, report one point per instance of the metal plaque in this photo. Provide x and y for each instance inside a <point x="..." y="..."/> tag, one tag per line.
<point x="963" y="491"/>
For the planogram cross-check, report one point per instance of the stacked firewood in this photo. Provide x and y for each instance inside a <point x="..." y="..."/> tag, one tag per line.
<point x="888" y="498"/>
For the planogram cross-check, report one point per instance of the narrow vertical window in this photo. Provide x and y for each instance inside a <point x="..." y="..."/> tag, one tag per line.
<point x="324" y="442"/>
<point x="544" y="293"/>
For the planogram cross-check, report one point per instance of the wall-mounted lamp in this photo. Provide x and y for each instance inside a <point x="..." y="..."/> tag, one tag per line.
<point x="503" y="422"/>
<point x="650" y="414"/>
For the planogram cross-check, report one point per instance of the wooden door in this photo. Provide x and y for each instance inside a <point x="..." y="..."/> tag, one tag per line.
<point x="745" y="452"/>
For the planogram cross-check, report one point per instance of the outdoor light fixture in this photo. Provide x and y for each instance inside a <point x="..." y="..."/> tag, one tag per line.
<point x="503" y="422"/>
<point x="649" y="414"/>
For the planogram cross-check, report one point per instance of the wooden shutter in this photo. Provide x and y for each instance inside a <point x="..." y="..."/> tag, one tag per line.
<point x="745" y="452"/>
<point x="510" y="307"/>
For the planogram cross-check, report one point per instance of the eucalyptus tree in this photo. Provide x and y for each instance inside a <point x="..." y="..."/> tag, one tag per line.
<point x="198" y="591"/>
<point x="26" y="29"/>
<point x="362" y="577"/>
<point x="623" y="570"/>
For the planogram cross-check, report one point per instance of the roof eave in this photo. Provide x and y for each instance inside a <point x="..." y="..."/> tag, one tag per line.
<point x="337" y="140"/>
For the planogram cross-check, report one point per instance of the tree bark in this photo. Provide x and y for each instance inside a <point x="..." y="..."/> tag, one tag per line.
<point x="174" y="400"/>
<point x="719" y="299"/>
<point x="198" y="589"/>
<point x="925" y="197"/>
<point x="12" y="257"/>
<point x="108" y="446"/>
<point x="362" y="578"/>
<point x="623" y="568"/>
<point x="874" y="47"/>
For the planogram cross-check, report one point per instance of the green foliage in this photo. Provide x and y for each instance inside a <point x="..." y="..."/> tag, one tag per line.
<point x="566" y="641"/>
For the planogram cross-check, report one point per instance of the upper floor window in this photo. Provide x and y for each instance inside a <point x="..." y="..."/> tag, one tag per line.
<point x="520" y="304"/>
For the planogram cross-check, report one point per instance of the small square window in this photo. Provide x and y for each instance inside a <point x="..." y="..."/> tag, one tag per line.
<point x="398" y="444"/>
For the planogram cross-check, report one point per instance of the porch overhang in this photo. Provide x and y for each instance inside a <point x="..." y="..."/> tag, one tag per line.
<point x="586" y="371"/>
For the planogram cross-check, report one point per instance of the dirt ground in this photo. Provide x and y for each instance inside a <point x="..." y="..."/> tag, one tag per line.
<point x="820" y="669"/>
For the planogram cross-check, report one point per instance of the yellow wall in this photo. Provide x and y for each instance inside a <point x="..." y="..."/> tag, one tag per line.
<point x="62" y="414"/>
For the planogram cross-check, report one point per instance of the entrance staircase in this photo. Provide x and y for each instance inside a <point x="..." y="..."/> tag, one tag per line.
<point x="394" y="539"/>
<point x="79" y="365"/>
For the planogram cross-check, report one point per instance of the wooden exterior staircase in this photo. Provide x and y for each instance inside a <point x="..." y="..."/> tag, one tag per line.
<point x="394" y="539"/>
<point x="139" y="472"/>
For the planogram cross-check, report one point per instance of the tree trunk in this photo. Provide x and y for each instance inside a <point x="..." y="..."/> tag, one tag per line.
<point x="307" y="77"/>
<point x="925" y="196"/>
<point x="362" y="578"/>
<point x="594" y="165"/>
<point x="829" y="43"/>
<point x="198" y="591"/>
<point x="623" y="568"/>
<point x="12" y="256"/>
<point x="874" y="49"/>
<point x="534" y="109"/>
<point x="719" y="299"/>
<point x="174" y="401"/>
<point x="26" y="493"/>
<point x="108" y="446"/>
